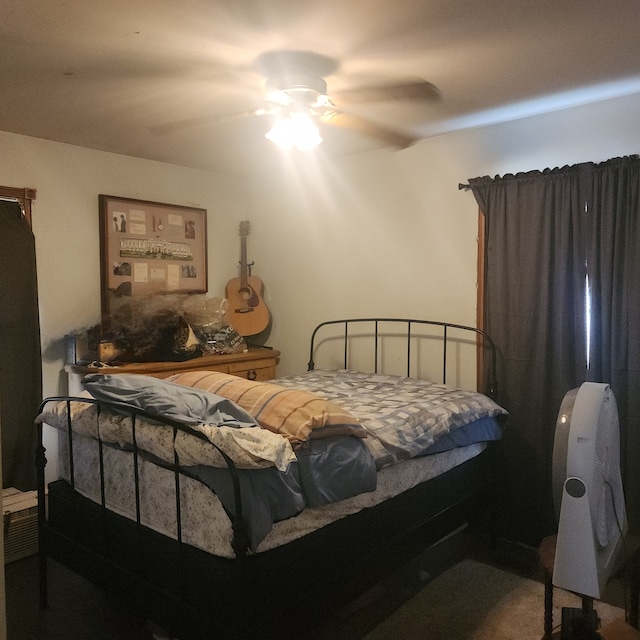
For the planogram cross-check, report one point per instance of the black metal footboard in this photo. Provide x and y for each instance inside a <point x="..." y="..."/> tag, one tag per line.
<point x="240" y="541"/>
<point x="277" y="594"/>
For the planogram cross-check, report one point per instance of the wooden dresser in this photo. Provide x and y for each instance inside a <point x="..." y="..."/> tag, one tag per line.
<point x="255" y="364"/>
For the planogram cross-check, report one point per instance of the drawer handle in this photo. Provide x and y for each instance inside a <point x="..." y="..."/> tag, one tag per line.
<point x="252" y="374"/>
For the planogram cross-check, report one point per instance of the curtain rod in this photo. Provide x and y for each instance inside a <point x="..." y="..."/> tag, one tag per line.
<point x="16" y="201"/>
<point x="463" y="186"/>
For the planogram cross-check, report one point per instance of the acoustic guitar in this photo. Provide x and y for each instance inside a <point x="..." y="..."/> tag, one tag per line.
<point x="247" y="312"/>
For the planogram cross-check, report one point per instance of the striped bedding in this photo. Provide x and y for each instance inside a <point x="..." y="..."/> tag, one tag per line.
<point x="294" y="413"/>
<point x="402" y="417"/>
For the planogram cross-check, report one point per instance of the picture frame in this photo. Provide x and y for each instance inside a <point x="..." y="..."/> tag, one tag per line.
<point x="149" y="248"/>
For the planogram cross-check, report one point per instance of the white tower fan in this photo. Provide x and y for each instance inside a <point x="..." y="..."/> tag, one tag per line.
<point x="588" y="492"/>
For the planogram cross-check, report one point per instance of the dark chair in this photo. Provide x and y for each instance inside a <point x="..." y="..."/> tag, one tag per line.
<point x="630" y="558"/>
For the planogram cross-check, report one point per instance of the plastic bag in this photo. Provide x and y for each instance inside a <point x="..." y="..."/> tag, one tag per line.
<point x="207" y="319"/>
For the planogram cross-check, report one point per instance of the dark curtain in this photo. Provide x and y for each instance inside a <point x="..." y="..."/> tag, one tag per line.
<point x="614" y="266"/>
<point x="546" y="231"/>
<point x="20" y="354"/>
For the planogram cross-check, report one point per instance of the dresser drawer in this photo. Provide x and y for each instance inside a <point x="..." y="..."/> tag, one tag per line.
<point x="256" y="370"/>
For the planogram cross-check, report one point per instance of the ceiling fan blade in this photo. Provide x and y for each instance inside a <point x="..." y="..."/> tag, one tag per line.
<point x="415" y="90"/>
<point x="368" y="128"/>
<point x="199" y="121"/>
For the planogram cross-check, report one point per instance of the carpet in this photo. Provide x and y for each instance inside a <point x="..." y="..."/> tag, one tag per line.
<point x="475" y="601"/>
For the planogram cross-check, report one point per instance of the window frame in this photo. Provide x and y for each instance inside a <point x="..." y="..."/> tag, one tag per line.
<point x="24" y="196"/>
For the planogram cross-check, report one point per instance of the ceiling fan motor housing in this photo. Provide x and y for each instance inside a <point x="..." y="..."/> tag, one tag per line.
<point x="296" y="84"/>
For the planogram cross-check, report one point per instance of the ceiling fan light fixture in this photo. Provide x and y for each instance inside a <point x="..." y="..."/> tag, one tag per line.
<point x="295" y="130"/>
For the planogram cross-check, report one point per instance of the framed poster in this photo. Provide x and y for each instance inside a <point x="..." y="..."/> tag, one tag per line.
<point x="150" y="248"/>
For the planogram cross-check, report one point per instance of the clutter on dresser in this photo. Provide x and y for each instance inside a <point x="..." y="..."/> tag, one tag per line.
<point x="158" y="328"/>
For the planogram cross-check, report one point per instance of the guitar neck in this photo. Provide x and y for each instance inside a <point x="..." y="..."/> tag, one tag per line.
<point x="244" y="268"/>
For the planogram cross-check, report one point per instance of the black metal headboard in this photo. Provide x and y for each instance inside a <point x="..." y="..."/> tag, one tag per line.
<point x="405" y="327"/>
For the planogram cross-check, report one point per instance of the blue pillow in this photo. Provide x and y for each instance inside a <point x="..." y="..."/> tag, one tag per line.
<point x="480" y="430"/>
<point x="168" y="399"/>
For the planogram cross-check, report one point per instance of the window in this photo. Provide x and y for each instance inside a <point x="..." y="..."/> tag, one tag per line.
<point x="23" y="196"/>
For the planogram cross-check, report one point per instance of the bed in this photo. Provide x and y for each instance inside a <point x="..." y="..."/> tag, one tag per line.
<point x="227" y="508"/>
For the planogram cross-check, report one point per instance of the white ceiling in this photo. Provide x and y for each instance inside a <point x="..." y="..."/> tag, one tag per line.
<point x="109" y="74"/>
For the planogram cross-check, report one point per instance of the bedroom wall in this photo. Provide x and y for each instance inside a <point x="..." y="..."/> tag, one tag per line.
<point x="68" y="180"/>
<point x="384" y="233"/>
<point x="389" y="233"/>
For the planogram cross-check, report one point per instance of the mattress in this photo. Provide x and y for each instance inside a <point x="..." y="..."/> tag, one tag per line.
<point x="204" y="521"/>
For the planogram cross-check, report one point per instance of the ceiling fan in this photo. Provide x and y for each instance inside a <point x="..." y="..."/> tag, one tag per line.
<point x="295" y="87"/>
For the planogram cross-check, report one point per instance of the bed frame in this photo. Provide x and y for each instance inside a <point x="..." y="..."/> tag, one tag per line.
<point x="287" y="590"/>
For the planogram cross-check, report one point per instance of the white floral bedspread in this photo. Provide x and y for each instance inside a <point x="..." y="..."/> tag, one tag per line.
<point x="248" y="447"/>
<point x="403" y="416"/>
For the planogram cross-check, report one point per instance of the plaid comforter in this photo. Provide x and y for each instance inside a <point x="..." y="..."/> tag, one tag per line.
<point x="402" y="416"/>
